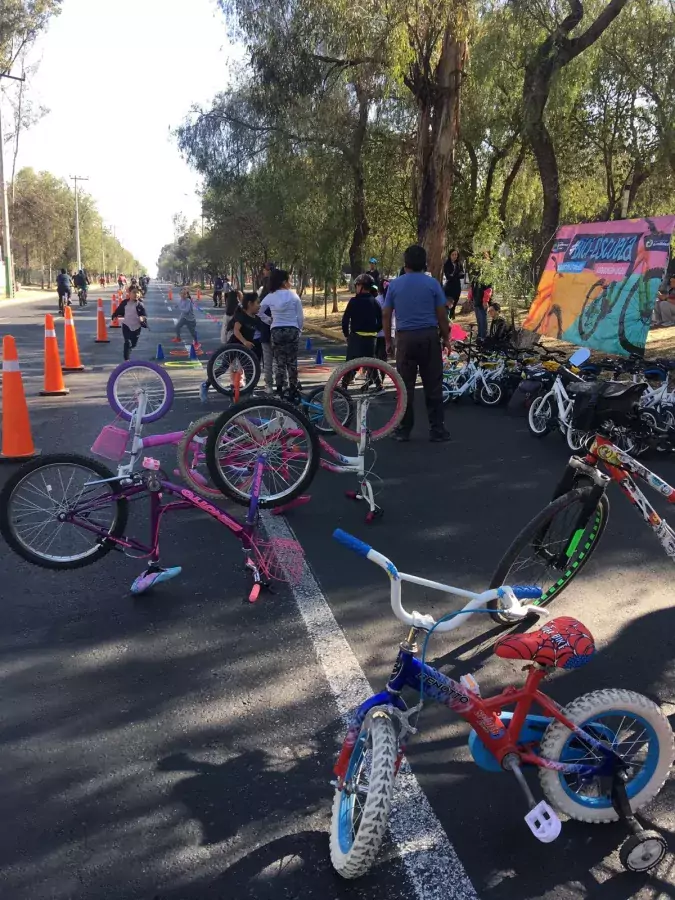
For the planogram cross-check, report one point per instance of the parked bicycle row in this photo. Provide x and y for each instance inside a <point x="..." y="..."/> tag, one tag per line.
<point x="600" y="758"/>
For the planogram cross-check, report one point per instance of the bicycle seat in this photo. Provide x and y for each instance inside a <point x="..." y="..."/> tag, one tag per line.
<point x="563" y="642"/>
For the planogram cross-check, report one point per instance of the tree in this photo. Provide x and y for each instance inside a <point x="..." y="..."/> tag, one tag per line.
<point x="555" y="51"/>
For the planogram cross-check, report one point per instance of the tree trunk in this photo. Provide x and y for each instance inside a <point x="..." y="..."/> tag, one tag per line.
<point x="437" y="130"/>
<point x="359" y="218"/>
<point x="313" y="291"/>
<point x="552" y="55"/>
<point x="325" y="299"/>
<point x="508" y="183"/>
<point x="335" y="308"/>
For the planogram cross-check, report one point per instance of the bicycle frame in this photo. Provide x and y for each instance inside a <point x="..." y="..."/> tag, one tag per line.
<point x="482" y="714"/>
<point x="621" y="468"/>
<point x="563" y="402"/>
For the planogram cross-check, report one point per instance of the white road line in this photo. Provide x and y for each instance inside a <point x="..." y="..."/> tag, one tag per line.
<point x="432" y="865"/>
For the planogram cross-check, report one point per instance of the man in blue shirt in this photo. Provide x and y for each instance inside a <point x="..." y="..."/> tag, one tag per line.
<point x="419" y="304"/>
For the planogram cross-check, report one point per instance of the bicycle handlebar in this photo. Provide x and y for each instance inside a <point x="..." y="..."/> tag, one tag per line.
<point x="510" y="597"/>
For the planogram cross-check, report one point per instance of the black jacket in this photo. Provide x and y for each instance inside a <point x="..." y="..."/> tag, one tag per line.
<point x="453" y="278"/>
<point x="363" y="314"/>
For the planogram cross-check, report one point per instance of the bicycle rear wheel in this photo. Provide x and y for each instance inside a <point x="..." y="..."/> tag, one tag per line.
<point x="386" y="405"/>
<point x="549" y="552"/>
<point x="343" y="408"/>
<point x="129" y="378"/>
<point x="43" y="504"/>
<point x="192" y="458"/>
<point x="227" y="360"/>
<point x="268" y="428"/>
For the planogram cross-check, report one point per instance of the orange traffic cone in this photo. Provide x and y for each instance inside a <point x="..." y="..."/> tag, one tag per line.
<point x="115" y="322"/>
<point x="17" y="440"/>
<point x="54" y="383"/>
<point x="72" y="351"/>
<point x="101" y="330"/>
<point x="199" y="294"/>
<point x="170" y="295"/>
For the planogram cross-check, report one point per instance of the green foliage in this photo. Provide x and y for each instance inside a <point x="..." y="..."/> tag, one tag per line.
<point x="43" y="229"/>
<point x="20" y="22"/>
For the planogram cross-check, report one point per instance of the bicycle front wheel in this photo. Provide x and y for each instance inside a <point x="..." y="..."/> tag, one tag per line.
<point x="192" y="458"/>
<point x="386" y="402"/>
<point x="343" y="409"/>
<point x="128" y="379"/>
<point x="361" y="808"/>
<point x="54" y="514"/>
<point x="228" y="360"/>
<point x="550" y="551"/>
<point x="540" y="416"/>
<point x="274" y="430"/>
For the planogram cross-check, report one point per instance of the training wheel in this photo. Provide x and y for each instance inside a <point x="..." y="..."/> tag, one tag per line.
<point x="374" y="514"/>
<point x="255" y="593"/>
<point x="641" y="852"/>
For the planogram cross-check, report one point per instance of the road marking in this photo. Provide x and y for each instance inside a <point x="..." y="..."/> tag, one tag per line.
<point x="432" y="865"/>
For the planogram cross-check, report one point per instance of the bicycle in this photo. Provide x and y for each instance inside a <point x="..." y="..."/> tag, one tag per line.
<point x="558" y="542"/>
<point x="82" y="296"/>
<point x="46" y="495"/>
<point x="583" y="771"/>
<point x="64" y="300"/>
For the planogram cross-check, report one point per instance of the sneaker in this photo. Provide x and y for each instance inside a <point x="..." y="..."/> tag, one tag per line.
<point x="176" y="340"/>
<point x="151" y="576"/>
<point x="439" y="437"/>
<point x="401" y="436"/>
<point x="204" y="392"/>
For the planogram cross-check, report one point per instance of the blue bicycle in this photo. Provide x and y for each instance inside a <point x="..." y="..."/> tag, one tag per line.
<point x="600" y="758"/>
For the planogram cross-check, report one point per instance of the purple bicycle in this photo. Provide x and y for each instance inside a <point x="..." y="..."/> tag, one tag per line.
<point x="66" y="511"/>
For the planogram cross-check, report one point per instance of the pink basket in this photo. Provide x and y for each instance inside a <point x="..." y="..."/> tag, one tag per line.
<point x="280" y="559"/>
<point x="111" y="443"/>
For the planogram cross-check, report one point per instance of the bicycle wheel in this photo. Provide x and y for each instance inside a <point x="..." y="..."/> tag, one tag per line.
<point x="634" y="727"/>
<point x="490" y="394"/>
<point x="192" y="458"/>
<point x="129" y="378"/>
<point x="227" y="360"/>
<point x="343" y="407"/>
<point x="540" y="416"/>
<point x="578" y="441"/>
<point x="386" y="407"/>
<point x="548" y="552"/>
<point x="42" y="505"/>
<point x="361" y="808"/>
<point x="270" y="428"/>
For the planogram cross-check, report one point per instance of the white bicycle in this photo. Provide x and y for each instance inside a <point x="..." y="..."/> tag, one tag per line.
<point x="554" y="408"/>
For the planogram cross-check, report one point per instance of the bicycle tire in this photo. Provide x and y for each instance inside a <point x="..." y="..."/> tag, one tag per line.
<point x="490" y="394"/>
<point x="537" y="404"/>
<point x="352" y="855"/>
<point x="8" y="531"/>
<point x="113" y="389"/>
<point x="319" y="422"/>
<point x="353" y="365"/>
<point x="537" y="526"/>
<point x="235" y="350"/>
<point x="184" y="452"/>
<point x="243" y="497"/>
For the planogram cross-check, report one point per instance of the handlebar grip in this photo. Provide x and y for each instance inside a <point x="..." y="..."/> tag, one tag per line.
<point x="353" y="543"/>
<point x="527" y="592"/>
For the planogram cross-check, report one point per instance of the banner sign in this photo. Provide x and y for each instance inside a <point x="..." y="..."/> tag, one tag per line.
<point x="600" y="282"/>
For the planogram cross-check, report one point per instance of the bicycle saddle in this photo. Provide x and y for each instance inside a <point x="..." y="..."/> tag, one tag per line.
<point x="563" y="642"/>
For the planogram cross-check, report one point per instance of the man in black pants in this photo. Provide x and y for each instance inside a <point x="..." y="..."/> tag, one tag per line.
<point x="362" y="319"/>
<point x="419" y="304"/>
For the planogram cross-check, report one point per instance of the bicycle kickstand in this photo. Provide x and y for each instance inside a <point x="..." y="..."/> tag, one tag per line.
<point x="366" y="493"/>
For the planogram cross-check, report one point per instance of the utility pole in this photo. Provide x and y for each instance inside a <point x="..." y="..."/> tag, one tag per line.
<point x="115" y="236"/>
<point x="77" y="178"/>
<point x="103" y="249"/>
<point x="6" y="242"/>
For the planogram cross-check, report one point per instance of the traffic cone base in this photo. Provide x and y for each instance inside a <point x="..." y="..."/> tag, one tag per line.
<point x="17" y="440"/>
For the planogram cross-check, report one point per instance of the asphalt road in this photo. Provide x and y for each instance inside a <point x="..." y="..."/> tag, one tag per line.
<point x="179" y="746"/>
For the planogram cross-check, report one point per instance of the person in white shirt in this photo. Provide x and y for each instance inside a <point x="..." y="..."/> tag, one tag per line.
<point x="284" y="308"/>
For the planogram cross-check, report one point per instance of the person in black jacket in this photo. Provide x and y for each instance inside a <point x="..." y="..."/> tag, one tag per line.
<point x="454" y="273"/>
<point x="362" y="319"/>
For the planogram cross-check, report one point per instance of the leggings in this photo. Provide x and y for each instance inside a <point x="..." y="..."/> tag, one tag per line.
<point x="285" y="342"/>
<point x="188" y="322"/>
<point x="130" y="339"/>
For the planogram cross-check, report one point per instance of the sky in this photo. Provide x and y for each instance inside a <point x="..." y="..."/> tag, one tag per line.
<point x="116" y="75"/>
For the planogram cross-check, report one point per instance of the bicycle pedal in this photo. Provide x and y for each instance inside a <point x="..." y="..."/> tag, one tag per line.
<point x="543" y="822"/>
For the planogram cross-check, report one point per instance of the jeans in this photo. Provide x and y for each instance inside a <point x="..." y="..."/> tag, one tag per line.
<point x="130" y="339"/>
<point x="188" y="322"/>
<point x="481" y="319"/>
<point x="420" y="350"/>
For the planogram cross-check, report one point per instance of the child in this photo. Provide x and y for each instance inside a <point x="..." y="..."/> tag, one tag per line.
<point x="245" y="323"/>
<point x="187" y="319"/>
<point x="498" y="328"/>
<point x="231" y="307"/>
<point x="133" y="314"/>
<point x="285" y="308"/>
